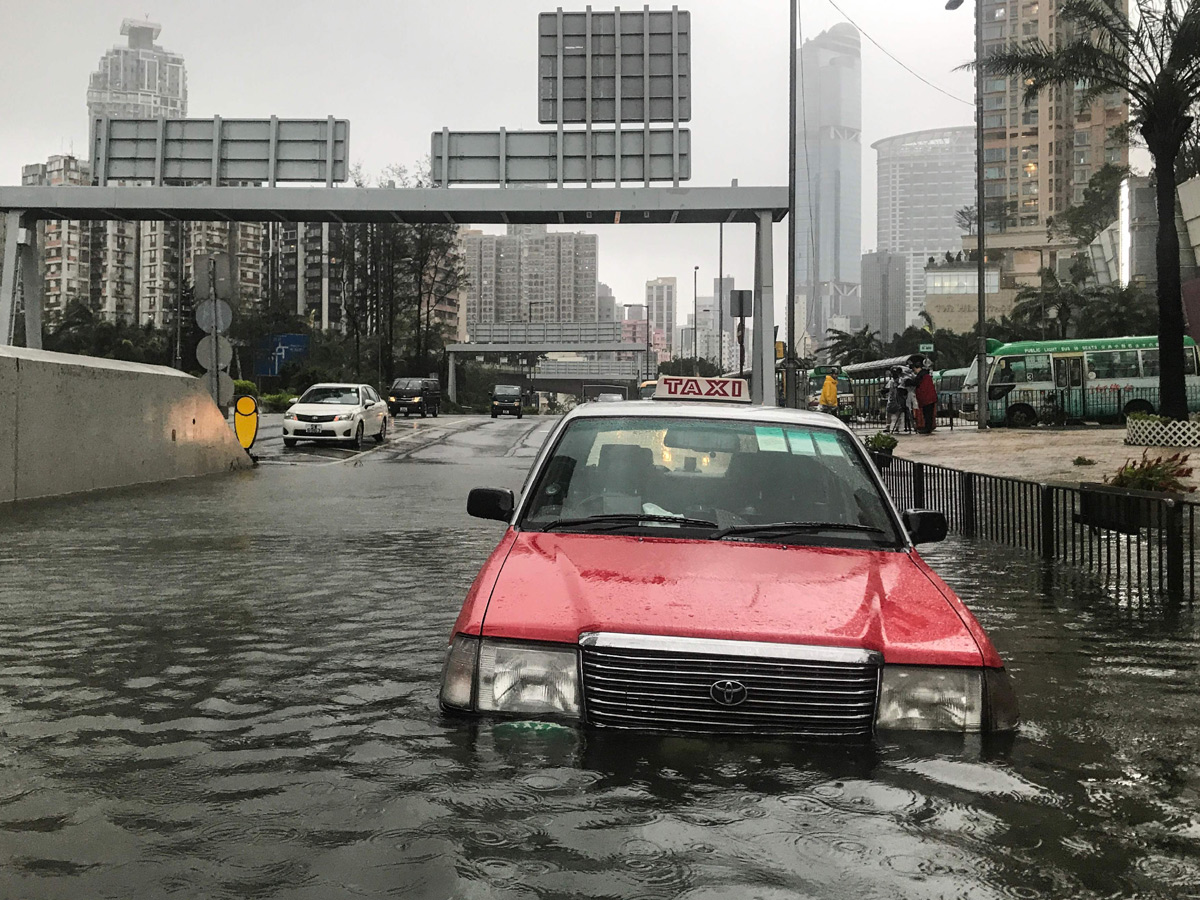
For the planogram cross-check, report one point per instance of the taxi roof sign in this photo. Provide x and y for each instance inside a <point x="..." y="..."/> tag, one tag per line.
<point x="689" y="387"/>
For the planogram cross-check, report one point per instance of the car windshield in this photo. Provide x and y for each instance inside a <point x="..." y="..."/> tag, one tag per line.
<point x="337" y="394"/>
<point x="407" y="384"/>
<point x="714" y="479"/>
<point x="507" y="391"/>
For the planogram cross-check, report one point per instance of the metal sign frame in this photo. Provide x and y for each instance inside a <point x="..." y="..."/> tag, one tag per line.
<point x="220" y="151"/>
<point x="535" y="157"/>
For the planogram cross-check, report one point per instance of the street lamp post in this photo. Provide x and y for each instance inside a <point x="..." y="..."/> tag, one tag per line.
<point x="980" y="220"/>
<point x="646" y="307"/>
<point x="695" y="322"/>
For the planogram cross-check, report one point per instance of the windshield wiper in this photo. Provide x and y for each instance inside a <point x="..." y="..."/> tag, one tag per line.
<point x="619" y="520"/>
<point x="795" y="527"/>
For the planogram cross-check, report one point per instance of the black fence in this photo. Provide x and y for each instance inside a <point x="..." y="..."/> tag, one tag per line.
<point x="1138" y="542"/>
<point x="864" y="408"/>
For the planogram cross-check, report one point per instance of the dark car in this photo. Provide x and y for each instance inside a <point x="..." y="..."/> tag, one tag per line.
<point x="415" y="395"/>
<point x="506" y="399"/>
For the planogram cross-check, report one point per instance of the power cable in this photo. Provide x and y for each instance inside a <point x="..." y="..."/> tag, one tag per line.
<point x="897" y="61"/>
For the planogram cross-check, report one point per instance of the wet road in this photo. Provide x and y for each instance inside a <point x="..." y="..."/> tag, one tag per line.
<point x="227" y="688"/>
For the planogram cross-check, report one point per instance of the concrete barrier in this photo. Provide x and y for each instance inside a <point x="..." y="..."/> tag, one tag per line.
<point x="78" y="423"/>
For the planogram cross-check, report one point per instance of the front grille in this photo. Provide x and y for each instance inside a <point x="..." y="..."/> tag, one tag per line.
<point x="676" y="684"/>
<point x="304" y="418"/>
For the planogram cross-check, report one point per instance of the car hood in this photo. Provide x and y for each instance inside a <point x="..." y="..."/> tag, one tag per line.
<point x="553" y="587"/>
<point x="323" y="409"/>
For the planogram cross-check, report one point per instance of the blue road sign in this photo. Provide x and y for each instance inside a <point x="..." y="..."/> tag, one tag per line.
<point x="277" y="350"/>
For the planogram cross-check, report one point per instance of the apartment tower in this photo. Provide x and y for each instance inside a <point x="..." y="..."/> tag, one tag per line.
<point x="1038" y="156"/>
<point x="829" y="179"/>
<point x="924" y="178"/>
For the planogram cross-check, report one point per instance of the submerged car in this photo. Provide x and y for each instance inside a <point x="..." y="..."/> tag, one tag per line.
<point x="343" y="413"/>
<point x="710" y="567"/>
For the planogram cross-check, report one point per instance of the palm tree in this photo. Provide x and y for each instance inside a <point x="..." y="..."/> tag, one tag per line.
<point x="1156" y="63"/>
<point x="847" y="347"/>
<point x="1051" y="304"/>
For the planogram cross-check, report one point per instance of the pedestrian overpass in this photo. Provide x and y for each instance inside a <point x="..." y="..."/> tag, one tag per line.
<point x="761" y="207"/>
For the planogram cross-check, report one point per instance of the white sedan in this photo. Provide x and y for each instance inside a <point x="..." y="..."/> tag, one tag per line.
<point x="336" y="412"/>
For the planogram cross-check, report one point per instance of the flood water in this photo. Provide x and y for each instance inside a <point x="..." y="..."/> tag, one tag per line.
<point x="227" y="688"/>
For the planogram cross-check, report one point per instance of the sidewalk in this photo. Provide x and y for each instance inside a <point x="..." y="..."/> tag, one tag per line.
<point x="1034" y="454"/>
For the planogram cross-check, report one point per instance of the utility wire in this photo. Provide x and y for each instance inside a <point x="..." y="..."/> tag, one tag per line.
<point x="897" y="61"/>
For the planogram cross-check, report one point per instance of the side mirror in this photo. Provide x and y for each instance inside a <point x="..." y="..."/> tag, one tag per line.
<point x="925" y="526"/>
<point x="491" y="503"/>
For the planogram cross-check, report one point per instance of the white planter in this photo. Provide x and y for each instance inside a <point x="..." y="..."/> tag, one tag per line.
<point x="1149" y="433"/>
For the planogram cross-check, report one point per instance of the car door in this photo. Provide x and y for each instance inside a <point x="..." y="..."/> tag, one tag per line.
<point x="375" y="411"/>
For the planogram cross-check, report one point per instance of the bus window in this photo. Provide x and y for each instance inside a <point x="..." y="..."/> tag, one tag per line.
<point x="1112" y="364"/>
<point x="1037" y="367"/>
<point x="1010" y="370"/>
<point x="1150" y="363"/>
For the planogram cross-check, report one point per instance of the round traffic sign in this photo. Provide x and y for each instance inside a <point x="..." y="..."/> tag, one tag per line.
<point x="213" y="315"/>
<point x="204" y="351"/>
<point x="224" y="389"/>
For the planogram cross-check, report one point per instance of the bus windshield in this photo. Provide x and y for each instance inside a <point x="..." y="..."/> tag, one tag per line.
<point x="972" y="376"/>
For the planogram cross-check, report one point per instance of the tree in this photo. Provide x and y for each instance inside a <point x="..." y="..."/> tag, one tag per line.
<point x="1114" y="310"/>
<point x="1155" y="62"/>
<point x="848" y="347"/>
<point x="1052" y="304"/>
<point x="690" y="366"/>
<point x="1099" y="209"/>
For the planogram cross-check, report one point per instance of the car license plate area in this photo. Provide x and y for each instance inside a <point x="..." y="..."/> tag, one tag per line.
<point x="313" y="429"/>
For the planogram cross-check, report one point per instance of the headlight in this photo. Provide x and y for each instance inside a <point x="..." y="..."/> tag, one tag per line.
<point x="391" y="399"/>
<point x="511" y="677"/>
<point x="515" y="677"/>
<point x="289" y="415"/>
<point x="495" y="403"/>
<point x="931" y="698"/>
<point x="343" y="417"/>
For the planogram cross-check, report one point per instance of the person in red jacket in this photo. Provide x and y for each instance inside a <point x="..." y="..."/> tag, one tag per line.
<point x="926" y="393"/>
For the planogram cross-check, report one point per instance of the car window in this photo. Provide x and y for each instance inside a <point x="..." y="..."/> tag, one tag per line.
<point x="506" y="390"/>
<point x="731" y="473"/>
<point x="406" y="384"/>
<point x="371" y="395"/>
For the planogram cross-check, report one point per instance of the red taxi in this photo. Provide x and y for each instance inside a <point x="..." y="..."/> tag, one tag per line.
<point x="716" y="567"/>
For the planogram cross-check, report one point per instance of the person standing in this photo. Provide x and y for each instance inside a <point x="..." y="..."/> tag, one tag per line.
<point x="897" y="400"/>
<point x="926" y="395"/>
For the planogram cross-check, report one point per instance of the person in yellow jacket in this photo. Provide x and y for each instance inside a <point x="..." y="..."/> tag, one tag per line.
<point x="829" y="400"/>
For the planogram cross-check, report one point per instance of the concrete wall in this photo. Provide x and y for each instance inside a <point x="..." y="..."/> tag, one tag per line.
<point x="77" y="423"/>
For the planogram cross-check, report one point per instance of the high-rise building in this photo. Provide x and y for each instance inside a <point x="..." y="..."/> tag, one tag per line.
<point x="1038" y="156"/>
<point x="884" y="292"/>
<point x="530" y="275"/>
<point x="135" y="265"/>
<point x="660" y="298"/>
<point x="829" y="179"/>
<point x="924" y="178"/>
<point x="727" y="344"/>
<point x="606" y="304"/>
<point x="64" y="247"/>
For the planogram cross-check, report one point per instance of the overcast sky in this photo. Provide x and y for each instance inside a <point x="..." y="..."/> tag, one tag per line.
<point x="401" y="69"/>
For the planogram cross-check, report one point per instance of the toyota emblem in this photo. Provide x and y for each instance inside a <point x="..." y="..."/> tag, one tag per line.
<point x="728" y="693"/>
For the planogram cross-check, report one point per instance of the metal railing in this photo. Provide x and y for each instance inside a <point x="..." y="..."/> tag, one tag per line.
<point x="1142" y="543"/>
<point x="864" y="408"/>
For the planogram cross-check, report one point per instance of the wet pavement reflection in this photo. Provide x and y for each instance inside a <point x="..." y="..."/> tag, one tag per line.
<point x="227" y="688"/>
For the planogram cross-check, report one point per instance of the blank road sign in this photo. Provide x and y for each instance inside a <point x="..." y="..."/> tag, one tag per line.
<point x="644" y="58"/>
<point x="213" y="315"/>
